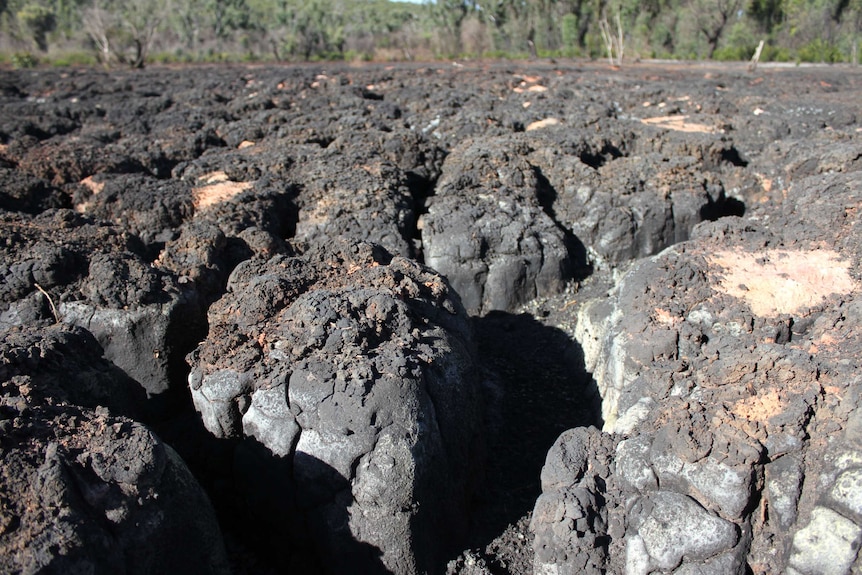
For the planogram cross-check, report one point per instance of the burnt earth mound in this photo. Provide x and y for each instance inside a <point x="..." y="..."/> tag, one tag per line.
<point x="501" y="318"/>
<point x="355" y="371"/>
<point x="86" y="489"/>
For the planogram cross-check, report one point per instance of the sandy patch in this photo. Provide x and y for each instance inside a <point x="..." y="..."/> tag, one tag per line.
<point x="679" y="123"/>
<point x="94" y="187"/>
<point x="760" y="407"/>
<point x="665" y="318"/>
<point x="322" y="212"/>
<point x="216" y="188"/>
<point x="529" y="84"/>
<point x="214" y="177"/>
<point x="774" y="282"/>
<point x="528" y="79"/>
<point x="546" y="123"/>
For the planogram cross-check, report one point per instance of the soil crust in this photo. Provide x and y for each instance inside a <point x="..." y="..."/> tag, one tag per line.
<point x="464" y="318"/>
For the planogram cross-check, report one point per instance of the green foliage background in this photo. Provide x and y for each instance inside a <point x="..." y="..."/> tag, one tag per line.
<point x="133" y="32"/>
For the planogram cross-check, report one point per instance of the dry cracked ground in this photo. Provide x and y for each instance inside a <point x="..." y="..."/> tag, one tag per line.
<point x="488" y="318"/>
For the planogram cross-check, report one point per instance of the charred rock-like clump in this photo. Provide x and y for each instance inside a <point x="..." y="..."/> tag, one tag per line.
<point x="150" y="208"/>
<point x="65" y="364"/>
<point x="85" y="489"/>
<point x="280" y="265"/>
<point x="367" y="200"/>
<point x="486" y="231"/>
<point x="728" y="367"/>
<point x="626" y="197"/>
<point x="355" y="370"/>
<point x="60" y="266"/>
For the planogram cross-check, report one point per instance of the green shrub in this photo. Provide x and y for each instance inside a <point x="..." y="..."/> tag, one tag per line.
<point x="38" y="21"/>
<point x="820" y="50"/>
<point x="569" y="31"/>
<point x="328" y="56"/>
<point x="358" y="56"/>
<point x="74" y="59"/>
<point x="543" y="53"/>
<point x="176" y="57"/>
<point x="22" y="60"/>
<point x="775" y="54"/>
<point x="734" y="53"/>
<point x="505" y="55"/>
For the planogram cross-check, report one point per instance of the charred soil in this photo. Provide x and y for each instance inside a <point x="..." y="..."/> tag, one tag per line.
<point x="483" y="317"/>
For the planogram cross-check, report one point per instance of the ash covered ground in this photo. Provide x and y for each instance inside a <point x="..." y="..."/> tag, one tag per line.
<point x="480" y="318"/>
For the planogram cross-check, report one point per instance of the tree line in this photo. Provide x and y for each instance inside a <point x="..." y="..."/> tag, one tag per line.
<point x="133" y="32"/>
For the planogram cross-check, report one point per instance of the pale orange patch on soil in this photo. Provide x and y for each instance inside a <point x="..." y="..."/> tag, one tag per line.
<point x="546" y="123"/>
<point x="321" y="212"/>
<point x="214" y="177"/>
<point x="774" y="282"/>
<point x="216" y="188"/>
<point x="529" y="84"/>
<point x="679" y="124"/>
<point x="825" y="343"/>
<point x="529" y="79"/>
<point x="765" y="182"/>
<point x="375" y="170"/>
<point x="92" y="185"/>
<point x="827" y="339"/>
<point x="759" y="407"/>
<point x="664" y="317"/>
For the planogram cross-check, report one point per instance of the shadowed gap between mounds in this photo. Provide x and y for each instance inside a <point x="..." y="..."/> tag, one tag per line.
<point x="733" y="157"/>
<point x="543" y="389"/>
<point x="580" y="267"/>
<point x="724" y="207"/>
<point x="600" y="158"/>
<point x="421" y="188"/>
<point x="259" y="511"/>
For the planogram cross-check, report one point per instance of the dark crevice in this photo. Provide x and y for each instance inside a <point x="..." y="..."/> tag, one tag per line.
<point x="367" y="94"/>
<point x="547" y="196"/>
<point x="544" y="390"/>
<point x="421" y="188"/>
<point x="723" y="206"/>
<point x="322" y="141"/>
<point x="732" y="156"/>
<point x="161" y="168"/>
<point x="597" y="159"/>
